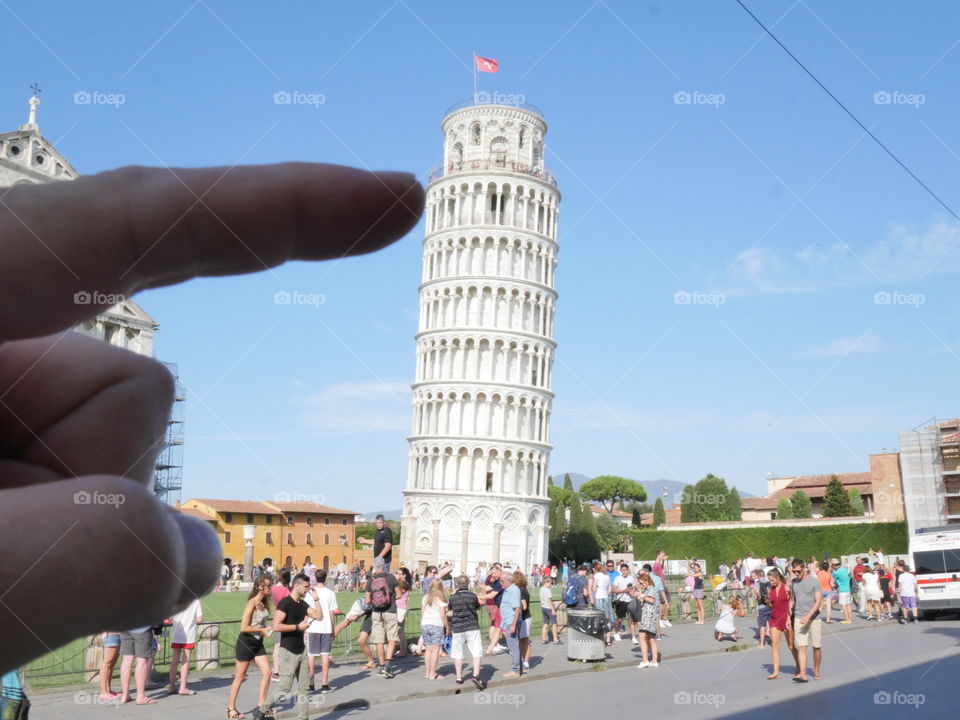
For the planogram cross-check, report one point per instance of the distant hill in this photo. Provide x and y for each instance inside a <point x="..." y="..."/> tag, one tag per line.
<point x="654" y="488"/>
<point x="387" y="514"/>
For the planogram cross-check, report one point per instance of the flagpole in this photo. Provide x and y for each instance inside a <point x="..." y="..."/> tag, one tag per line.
<point x="474" y="77"/>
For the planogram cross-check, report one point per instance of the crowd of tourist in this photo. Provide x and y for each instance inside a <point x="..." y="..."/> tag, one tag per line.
<point x="791" y="598"/>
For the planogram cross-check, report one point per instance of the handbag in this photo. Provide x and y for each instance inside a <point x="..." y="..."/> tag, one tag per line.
<point x="447" y="644"/>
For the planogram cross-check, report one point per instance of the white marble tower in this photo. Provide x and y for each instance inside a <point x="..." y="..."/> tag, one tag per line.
<point x="479" y="448"/>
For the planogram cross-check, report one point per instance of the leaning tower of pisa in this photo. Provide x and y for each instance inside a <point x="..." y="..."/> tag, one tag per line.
<point x="479" y="446"/>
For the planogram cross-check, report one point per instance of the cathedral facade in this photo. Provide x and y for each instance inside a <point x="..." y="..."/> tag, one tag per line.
<point x="479" y="447"/>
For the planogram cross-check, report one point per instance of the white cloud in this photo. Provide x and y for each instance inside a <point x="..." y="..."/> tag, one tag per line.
<point x="907" y="254"/>
<point x="359" y="407"/>
<point x="844" y="346"/>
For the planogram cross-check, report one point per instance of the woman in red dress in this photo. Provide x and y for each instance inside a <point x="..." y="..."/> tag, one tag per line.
<point x="780" y="600"/>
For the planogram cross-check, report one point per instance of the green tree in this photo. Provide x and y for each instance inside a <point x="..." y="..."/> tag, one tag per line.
<point x="707" y="500"/>
<point x="612" y="536"/>
<point x="801" y="505"/>
<point x="559" y="529"/>
<point x="567" y="483"/>
<point x="856" y="502"/>
<point x="575" y="527"/>
<point x="686" y="504"/>
<point x="588" y="541"/>
<point x="836" y="501"/>
<point x="635" y="518"/>
<point x="784" y="509"/>
<point x="609" y="490"/>
<point x="734" y="511"/>
<point x="659" y="513"/>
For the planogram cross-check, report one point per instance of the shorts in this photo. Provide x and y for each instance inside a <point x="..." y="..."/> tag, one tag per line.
<point x="112" y="640"/>
<point x="248" y="647"/>
<point x="138" y="645"/>
<point x="874" y="595"/>
<point x="319" y="643"/>
<point x="763" y="616"/>
<point x="804" y="635"/>
<point x="494" y="611"/>
<point x="432" y="634"/>
<point x="182" y="646"/>
<point x="525" y="628"/>
<point x="908" y="602"/>
<point x="367" y="625"/>
<point x="385" y="628"/>
<point x="620" y="609"/>
<point x="698" y="594"/>
<point x="845" y="598"/>
<point x="356" y="610"/>
<point x="549" y="618"/>
<point x="470" y="638"/>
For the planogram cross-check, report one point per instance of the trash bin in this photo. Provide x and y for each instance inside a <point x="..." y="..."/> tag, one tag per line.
<point x="585" y="630"/>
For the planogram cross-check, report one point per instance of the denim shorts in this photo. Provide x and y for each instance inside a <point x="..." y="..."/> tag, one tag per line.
<point x="432" y="634"/>
<point x="112" y="640"/>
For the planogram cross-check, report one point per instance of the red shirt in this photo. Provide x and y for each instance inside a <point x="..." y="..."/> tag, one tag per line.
<point x="278" y="592"/>
<point x="858" y="571"/>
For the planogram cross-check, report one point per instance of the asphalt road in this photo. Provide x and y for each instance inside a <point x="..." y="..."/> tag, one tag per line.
<point x="899" y="672"/>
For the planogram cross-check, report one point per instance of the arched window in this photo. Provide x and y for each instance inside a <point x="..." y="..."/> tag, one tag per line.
<point x="326" y="538"/>
<point x="475" y="133"/>
<point x="289" y="538"/>
<point x="309" y="538"/>
<point x="523" y="136"/>
<point x="457" y="156"/>
<point x="498" y="152"/>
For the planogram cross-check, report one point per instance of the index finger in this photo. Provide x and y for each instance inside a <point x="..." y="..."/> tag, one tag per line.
<point x="122" y="231"/>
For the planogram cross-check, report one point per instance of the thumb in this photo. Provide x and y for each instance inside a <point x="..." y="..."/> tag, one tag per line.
<point x="92" y="553"/>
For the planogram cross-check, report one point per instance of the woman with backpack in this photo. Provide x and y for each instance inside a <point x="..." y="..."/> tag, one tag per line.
<point x="433" y="626"/>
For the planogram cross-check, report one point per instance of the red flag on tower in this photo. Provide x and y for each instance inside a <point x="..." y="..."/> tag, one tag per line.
<point x="486" y="64"/>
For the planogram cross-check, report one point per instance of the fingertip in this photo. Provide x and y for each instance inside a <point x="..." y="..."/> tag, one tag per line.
<point x="203" y="557"/>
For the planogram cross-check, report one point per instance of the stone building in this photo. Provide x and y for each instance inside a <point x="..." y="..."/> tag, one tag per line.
<point x="479" y="447"/>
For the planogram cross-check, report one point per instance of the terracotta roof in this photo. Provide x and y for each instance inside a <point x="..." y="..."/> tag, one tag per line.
<point x="816" y="485"/>
<point x="615" y="513"/>
<point x="947" y="423"/>
<point x="193" y="512"/>
<point x="759" y="503"/>
<point x="238" y="506"/>
<point x="309" y="507"/>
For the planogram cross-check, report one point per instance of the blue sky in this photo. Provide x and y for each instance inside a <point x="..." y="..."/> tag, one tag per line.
<point x="758" y="198"/>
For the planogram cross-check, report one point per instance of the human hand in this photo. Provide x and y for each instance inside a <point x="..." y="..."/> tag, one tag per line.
<point x="81" y="421"/>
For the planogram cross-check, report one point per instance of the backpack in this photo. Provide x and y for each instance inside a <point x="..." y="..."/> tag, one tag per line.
<point x="380" y="593"/>
<point x="764" y="592"/>
<point x="571" y="592"/>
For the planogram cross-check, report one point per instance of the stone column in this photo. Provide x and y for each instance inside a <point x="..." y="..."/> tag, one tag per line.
<point x="249" y="533"/>
<point x="464" y="546"/>
<point x="497" y="530"/>
<point x="435" y="551"/>
<point x="524" y="548"/>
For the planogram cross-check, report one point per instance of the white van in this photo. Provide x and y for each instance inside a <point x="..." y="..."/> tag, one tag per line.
<point x="935" y="559"/>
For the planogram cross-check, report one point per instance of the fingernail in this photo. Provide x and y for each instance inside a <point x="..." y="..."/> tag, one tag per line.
<point x="203" y="556"/>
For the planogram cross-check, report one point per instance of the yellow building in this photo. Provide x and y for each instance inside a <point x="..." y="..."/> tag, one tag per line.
<point x="286" y="533"/>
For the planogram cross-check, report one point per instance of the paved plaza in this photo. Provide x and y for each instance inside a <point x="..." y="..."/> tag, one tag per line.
<point x="698" y="677"/>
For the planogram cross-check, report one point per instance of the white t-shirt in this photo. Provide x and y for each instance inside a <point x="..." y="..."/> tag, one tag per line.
<point x="328" y="603"/>
<point x="907" y="587"/>
<point x="431" y="614"/>
<point x="621" y="584"/>
<point x="545" y="597"/>
<point x="601" y="585"/>
<point x="184" y="629"/>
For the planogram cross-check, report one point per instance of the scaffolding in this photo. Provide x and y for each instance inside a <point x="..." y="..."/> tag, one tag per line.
<point x="168" y="477"/>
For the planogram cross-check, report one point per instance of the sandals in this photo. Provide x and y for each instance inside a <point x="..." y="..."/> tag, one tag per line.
<point x="234" y="714"/>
